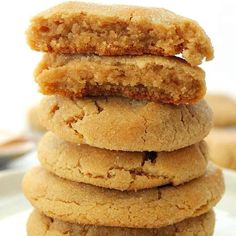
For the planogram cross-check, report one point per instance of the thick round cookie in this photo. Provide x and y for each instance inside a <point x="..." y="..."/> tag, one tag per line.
<point x="151" y="208"/>
<point x="122" y="124"/>
<point x="152" y="78"/>
<point x="34" y="120"/>
<point x="121" y="170"/>
<point x="222" y="149"/>
<point x="41" y="225"/>
<point x="88" y="28"/>
<point x="224" y="109"/>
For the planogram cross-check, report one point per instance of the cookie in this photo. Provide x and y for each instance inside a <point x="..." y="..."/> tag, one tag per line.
<point x="222" y="147"/>
<point x="153" y="78"/>
<point x="77" y="27"/>
<point x="151" y="208"/>
<point x="224" y="109"/>
<point x="41" y="225"/>
<point x="121" y="170"/>
<point x="34" y="120"/>
<point x="122" y="124"/>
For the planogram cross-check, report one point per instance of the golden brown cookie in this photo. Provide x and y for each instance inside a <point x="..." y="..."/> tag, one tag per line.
<point x="152" y="78"/>
<point x="77" y="27"/>
<point x="151" y="208"/>
<point x="34" y="120"/>
<point x="41" y="225"/>
<point x="224" y="109"/>
<point x="222" y="147"/>
<point x="123" y="124"/>
<point x="121" y="170"/>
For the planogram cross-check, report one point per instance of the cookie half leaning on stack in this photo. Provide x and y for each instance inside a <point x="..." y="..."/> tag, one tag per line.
<point x="124" y="153"/>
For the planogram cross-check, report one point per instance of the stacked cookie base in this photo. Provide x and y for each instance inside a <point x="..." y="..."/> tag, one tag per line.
<point x="117" y="166"/>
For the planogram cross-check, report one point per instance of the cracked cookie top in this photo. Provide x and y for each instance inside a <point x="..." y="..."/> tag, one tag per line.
<point x="123" y="124"/>
<point x="150" y="208"/>
<point x="121" y="170"/>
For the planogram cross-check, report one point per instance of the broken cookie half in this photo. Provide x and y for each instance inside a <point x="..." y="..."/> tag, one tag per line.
<point x="152" y="78"/>
<point x="77" y="27"/>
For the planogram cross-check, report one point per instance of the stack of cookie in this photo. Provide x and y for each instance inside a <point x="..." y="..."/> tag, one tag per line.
<point x="124" y="155"/>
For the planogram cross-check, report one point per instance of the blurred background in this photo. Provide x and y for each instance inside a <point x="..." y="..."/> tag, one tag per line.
<point x="18" y="92"/>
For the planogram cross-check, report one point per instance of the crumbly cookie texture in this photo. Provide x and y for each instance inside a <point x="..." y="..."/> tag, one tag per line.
<point x="76" y="27"/>
<point x="222" y="147"/>
<point x="153" y="78"/>
<point x="224" y="108"/>
<point x="123" y="124"/>
<point x="151" y="208"/>
<point x="121" y="170"/>
<point x="41" y="225"/>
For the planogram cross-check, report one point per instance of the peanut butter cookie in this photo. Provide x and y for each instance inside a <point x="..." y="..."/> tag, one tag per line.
<point x="224" y="109"/>
<point x="122" y="124"/>
<point x="150" y="208"/>
<point x="153" y="78"/>
<point x="222" y="149"/>
<point x="121" y="170"/>
<point x="41" y="225"/>
<point x="77" y="27"/>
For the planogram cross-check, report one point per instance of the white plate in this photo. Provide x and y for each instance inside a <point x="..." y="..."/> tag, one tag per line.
<point x="228" y="203"/>
<point x="12" y="200"/>
<point x="14" y="208"/>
